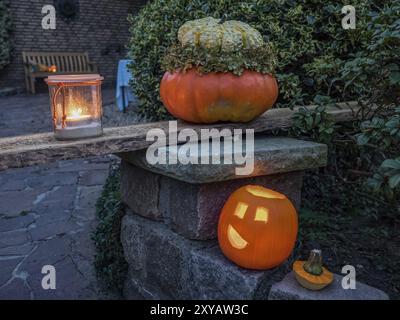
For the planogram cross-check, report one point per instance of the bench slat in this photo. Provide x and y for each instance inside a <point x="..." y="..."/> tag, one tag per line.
<point x="65" y="62"/>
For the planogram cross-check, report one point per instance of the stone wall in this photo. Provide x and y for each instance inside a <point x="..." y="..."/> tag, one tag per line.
<point x="101" y="28"/>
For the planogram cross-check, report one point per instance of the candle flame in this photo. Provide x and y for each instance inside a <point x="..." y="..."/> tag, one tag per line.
<point x="76" y="113"/>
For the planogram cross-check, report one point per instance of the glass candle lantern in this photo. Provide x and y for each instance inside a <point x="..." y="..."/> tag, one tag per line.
<point x="76" y="105"/>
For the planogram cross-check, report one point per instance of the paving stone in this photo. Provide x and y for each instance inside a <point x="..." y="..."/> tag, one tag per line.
<point x="14" y="203"/>
<point x="6" y="269"/>
<point x="20" y="250"/>
<point x="272" y="155"/>
<point x="15" y="290"/>
<point x="52" y="179"/>
<point x="290" y="289"/>
<point x="189" y="209"/>
<point x="56" y="228"/>
<point x="87" y="197"/>
<point x="56" y="199"/>
<point x="164" y="265"/>
<point x="15" y="223"/>
<point x="13" y="238"/>
<point x="52" y="217"/>
<point x="12" y="182"/>
<point x="84" y="215"/>
<point x="93" y="177"/>
<point x="70" y="284"/>
<point x="48" y="252"/>
<point x="82" y="244"/>
<point x="85" y="266"/>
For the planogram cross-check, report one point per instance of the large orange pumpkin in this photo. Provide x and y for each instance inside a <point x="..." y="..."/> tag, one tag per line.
<point x="213" y="97"/>
<point x="257" y="228"/>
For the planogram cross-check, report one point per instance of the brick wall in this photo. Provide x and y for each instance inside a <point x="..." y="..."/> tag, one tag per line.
<point x="101" y="29"/>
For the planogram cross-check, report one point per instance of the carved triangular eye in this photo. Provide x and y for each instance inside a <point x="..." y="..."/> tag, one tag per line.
<point x="241" y="209"/>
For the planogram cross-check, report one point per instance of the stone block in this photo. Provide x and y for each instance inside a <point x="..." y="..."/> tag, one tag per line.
<point x="140" y="190"/>
<point x="165" y="265"/>
<point x="290" y="289"/>
<point x="192" y="210"/>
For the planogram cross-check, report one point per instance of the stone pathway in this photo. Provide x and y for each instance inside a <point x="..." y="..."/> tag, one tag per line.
<point x="47" y="216"/>
<point x="47" y="213"/>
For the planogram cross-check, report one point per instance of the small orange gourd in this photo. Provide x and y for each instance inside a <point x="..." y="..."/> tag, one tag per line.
<point x="311" y="274"/>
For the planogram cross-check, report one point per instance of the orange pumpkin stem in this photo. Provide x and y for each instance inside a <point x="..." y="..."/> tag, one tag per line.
<point x="314" y="263"/>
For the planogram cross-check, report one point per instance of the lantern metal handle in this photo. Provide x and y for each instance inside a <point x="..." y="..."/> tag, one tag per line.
<point x="64" y="116"/>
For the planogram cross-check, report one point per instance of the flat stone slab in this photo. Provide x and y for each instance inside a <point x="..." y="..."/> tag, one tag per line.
<point x="272" y="155"/>
<point x="290" y="289"/>
<point x="164" y="265"/>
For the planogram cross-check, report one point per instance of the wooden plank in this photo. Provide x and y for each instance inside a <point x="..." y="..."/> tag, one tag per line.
<point x="37" y="149"/>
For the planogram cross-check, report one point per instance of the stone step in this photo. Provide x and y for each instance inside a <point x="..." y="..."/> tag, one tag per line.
<point x="272" y="155"/>
<point x="289" y="289"/>
<point x="164" y="265"/>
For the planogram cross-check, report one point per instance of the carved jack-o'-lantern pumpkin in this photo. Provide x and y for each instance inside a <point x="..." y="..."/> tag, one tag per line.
<point x="257" y="228"/>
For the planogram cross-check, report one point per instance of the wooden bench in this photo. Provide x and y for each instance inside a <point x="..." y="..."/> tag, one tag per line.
<point x="66" y="63"/>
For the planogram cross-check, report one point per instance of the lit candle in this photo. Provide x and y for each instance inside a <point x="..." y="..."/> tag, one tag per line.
<point x="76" y="115"/>
<point x="76" y="118"/>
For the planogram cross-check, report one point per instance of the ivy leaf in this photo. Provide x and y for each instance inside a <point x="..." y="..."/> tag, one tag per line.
<point x="375" y="183"/>
<point x="362" y="139"/>
<point x="395" y="78"/>
<point x="310" y="20"/>
<point x="391" y="164"/>
<point x="394" y="181"/>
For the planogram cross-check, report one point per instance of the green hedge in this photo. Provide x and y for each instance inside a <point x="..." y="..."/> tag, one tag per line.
<point x="5" y="28"/>
<point x="308" y="35"/>
<point x="110" y="264"/>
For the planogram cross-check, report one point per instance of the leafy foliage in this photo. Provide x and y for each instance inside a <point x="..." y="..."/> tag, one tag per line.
<point x="359" y="150"/>
<point x="183" y="58"/>
<point x="381" y="132"/>
<point x="5" y="28"/>
<point x="110" y="263"/>
<point x="381" y="136"/>
<point x="315" y="123"/>
<point x="316" y="56"/>
<point x="386" y="180"/>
